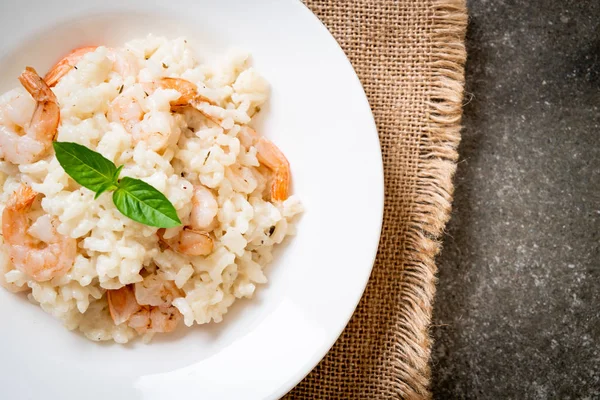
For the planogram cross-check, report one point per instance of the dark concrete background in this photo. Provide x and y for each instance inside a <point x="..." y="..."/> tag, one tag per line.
<point x="517" y="313"/>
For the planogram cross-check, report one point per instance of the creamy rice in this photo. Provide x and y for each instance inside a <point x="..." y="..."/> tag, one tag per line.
<point x="113" y="250"/>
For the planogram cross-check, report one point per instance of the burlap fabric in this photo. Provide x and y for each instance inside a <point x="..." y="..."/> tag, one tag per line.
<point x="409" y="55"/>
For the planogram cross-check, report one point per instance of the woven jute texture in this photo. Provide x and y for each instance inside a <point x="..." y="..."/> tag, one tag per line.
<point x="409" y="56"/>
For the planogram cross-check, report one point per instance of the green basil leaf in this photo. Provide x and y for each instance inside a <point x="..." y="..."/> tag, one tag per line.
<point x="87" y="167"/>
<point x="143" y="203"/>
<point x="117" y="172"/>
<point x="105" y="188"/>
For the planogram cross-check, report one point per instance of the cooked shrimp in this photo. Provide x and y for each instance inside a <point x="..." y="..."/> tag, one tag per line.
<point x="123" y="308"/>
<point x="122" y="304"/>
<point x="123" y="63"/>
<point x="194" y="240"/>
<point x="270" y="156"/>
<point x="24" y="144"/>
<point x="242" y="179"/>
<point x="126" y="110"/>
<point x="194" y="243"/>
<point x="190" y="242"/>
<point x="65" y="65"/>
<point x="188" y="90"/>
<point x="156" y="291"/>
<point x="204" y="209"/>
<point x="41" y="262"/>
<point x="189" y="96"/>
<point x="155" y="319"/>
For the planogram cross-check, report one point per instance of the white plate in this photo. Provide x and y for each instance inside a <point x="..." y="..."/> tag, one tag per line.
<point x="318" y="115"/>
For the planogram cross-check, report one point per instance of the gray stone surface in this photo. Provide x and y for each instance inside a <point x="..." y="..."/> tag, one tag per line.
<point x="517" y="313"/>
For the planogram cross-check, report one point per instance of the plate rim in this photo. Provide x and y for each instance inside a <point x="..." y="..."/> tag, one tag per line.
<point x="324" y="350"/>
<point x="378" y="202"/>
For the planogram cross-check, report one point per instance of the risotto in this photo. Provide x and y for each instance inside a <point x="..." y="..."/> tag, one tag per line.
<point x="177" y="123"/>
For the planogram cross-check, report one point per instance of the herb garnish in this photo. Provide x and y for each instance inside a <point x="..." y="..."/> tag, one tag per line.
<point x="206" y="158"/>
<point x="134" y="198"/>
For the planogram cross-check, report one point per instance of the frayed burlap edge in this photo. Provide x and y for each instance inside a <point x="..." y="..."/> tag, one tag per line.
<point x="434" y="190"/>
<point x="391" y="360"/>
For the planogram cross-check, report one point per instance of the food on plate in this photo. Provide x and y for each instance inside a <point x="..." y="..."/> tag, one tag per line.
<point x="28" y="121"/>
<point x="135" y="196"/>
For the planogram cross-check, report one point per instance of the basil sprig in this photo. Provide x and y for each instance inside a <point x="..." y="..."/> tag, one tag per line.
<point x="134" y="198"/>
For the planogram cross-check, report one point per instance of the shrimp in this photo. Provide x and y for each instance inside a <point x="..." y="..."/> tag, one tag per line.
<point x="156" y="291"/>
<point x="189" y="242"/>
<point x="123" y="307"/>
<point x="189" y="96"/>
<point x="204" y="209"/>
<point x="123" y="63"/>
<point x="194" y="240"/>
<point x="122" y="304"/>
<point x="66" y="64"/>
<point x="159" y="319"/>
<point x="194" y="243"/>
<point x="126" y="110"/>
<point x="27" y="143"/>
<point x="242" y="179"/>
<point x="41" y="262"/>
<point x="270" y="156"/>
<point x="188" y="90"/>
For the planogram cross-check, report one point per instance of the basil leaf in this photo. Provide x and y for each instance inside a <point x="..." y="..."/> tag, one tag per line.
<point x="117" y="172"/>
<point x="143" y="203"/>
<point x="87" y="167"/>
<point x="105" y="188"/>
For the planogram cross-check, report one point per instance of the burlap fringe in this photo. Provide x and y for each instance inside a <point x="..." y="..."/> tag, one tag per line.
<point x="433" y="195"/>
